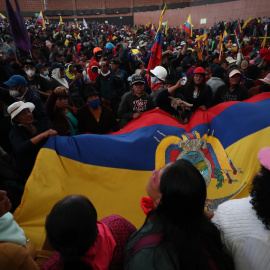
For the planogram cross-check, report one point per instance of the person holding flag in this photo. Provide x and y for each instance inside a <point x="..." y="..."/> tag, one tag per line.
<point x="156" y="50"/>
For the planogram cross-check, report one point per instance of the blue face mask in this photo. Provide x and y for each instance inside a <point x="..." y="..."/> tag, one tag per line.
<point x="46" y="73"/>
<point x="94" y="103"/>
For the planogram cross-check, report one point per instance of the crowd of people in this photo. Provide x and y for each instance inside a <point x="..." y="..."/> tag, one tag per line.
<point x="95" y="80"/>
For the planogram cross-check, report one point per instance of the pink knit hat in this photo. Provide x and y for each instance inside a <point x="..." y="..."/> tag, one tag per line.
<point x="264" y="157"/>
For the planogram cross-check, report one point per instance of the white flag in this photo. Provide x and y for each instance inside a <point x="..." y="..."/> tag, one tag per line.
<point x="85" y="24"/>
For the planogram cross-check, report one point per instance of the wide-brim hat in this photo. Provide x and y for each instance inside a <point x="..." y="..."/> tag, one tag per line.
<point x="266" y="79"/>
<point x="142" y="43"/>
<point x="15" y="108"/>
<point x="230" y="60"/>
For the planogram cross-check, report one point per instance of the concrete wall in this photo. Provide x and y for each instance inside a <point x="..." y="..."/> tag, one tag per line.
<point x="198" y="9"/>
<point x="213" y="13"/>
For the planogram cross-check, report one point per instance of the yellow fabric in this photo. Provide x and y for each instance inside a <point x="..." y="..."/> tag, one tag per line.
<point x="246" y="22"/>
<point x="4" y="17"/>
<point x="225" y="34"/>
<point x="189" y="21"/>
<point x="149" y="23"/>
<point x="118" y="191"/>
<point x="61" y="20"/>
<point x="166" y="28"/>
<point x="112" y="191"/>
<point x="66" y="42"/>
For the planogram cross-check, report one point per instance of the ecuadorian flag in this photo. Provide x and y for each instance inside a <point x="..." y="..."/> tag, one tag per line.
<point x="237" y="29"/>
<point x="188" y="26"/>
<point x="152" y="30"/>
<point x="40" y="19"/>
<point x="113" y="170"/>
<point x="248" y="22"/>
<point x="225" y="35"/>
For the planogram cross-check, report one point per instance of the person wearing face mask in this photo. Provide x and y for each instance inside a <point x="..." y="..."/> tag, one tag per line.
<point x="94" y="117"/>
<point x="46" y="82"/>
<point x="19" y="90"/>
<point x="26" y="136"/>
<point x="158" y="76"/>
<point x="61" y="115"/>
<point x="31" y="77"/>
<point x="93" y="72"/>
<point x="97" y="54"/>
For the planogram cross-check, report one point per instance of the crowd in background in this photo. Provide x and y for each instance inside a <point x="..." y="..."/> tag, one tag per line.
<point x="96" y="79"/>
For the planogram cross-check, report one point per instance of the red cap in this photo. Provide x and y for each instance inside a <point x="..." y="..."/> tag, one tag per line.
<point x="199" y="70"/>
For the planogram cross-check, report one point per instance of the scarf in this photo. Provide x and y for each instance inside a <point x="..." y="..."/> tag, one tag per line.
<point x="70" y="75"/>
<point x="10" y="230"/>
<point x="105" y="74"/>
<point x="147" y="204"/>
<point x="156" y="86"/>
<point x="56" y="76"/>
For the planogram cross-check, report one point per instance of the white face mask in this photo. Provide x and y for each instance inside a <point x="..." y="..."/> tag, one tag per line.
<point x="46" y="73"/>
<point x="30" y="72"/>
<point x="154" y="80"/>
<point x="14" y="93"/>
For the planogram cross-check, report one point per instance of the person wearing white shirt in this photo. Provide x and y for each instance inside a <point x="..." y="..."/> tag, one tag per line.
<point x="245" y="223"/>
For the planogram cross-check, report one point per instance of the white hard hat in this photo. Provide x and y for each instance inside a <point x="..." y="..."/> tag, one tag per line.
<point x="160" y="72"/>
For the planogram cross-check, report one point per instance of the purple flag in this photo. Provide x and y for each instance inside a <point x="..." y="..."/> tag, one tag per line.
<point x="17" y="26"/>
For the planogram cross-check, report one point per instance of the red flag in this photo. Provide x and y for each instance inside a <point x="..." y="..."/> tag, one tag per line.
<point x="156" y="55"/>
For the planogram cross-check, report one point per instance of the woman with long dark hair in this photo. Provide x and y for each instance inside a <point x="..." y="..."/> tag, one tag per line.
<point x="197" y="92"/>
<point x="177" y="234"/>
<point x="82" y="242"/>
